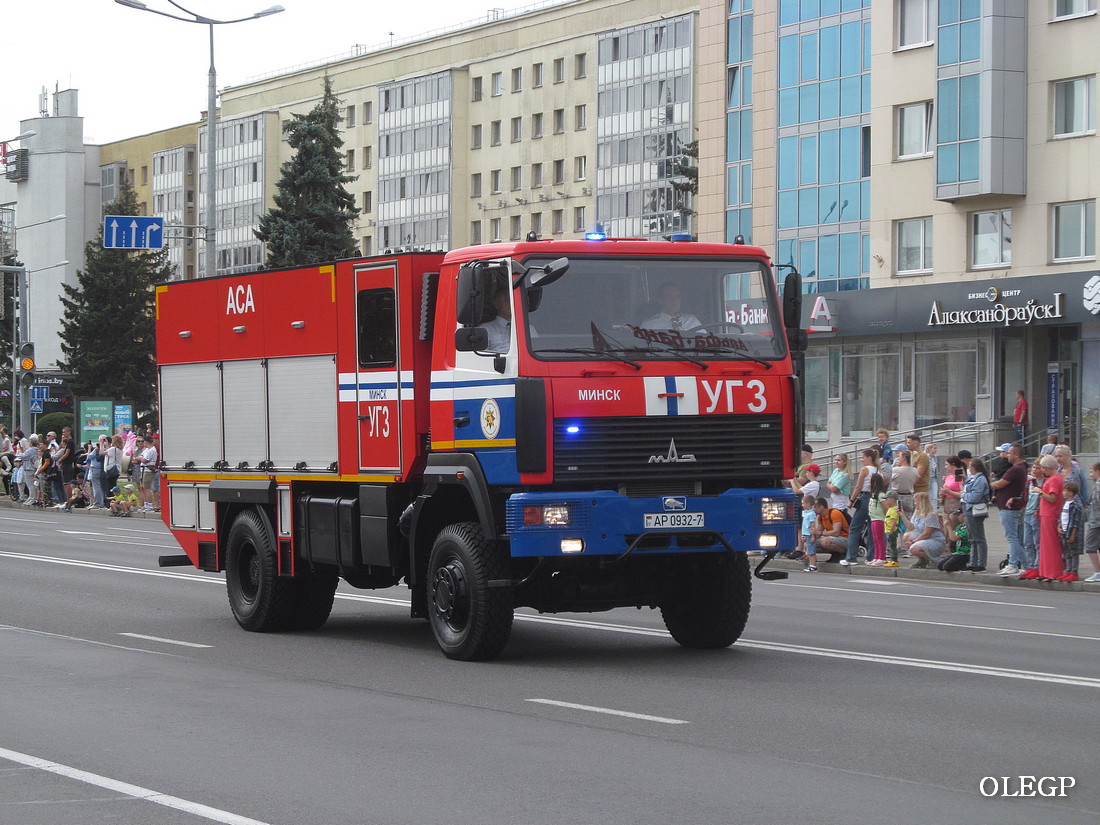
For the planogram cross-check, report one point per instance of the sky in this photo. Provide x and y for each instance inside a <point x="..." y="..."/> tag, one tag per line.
<point x="138" y="72"/>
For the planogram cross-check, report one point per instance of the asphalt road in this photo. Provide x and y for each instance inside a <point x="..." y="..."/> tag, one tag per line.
<point x="130" y="696"/>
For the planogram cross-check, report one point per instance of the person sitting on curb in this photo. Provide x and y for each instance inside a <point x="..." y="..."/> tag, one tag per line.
<point x="124" y="498"/>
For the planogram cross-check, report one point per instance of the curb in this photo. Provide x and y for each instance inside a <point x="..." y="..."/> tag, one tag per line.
<point x="929" y="574"/>
<point x="8" y="504"/>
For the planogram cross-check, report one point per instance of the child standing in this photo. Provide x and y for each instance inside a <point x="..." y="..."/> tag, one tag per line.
<point x="877" y="515"/>
<point x="805" y="538"/>
<point x="1069" y="530"/>
<point x="1092" y="534"/>
<point x="1031" y="523"/>
<point x="891" y="523"/>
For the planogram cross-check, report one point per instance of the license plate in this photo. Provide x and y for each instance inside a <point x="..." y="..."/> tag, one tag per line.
<point x="659" y="520"/>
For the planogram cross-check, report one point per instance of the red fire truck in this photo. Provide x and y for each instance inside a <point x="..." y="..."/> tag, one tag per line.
<point x="561" y="425"/>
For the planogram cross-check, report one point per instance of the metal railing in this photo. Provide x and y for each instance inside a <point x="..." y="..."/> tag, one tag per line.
<point x="980" y="437"/>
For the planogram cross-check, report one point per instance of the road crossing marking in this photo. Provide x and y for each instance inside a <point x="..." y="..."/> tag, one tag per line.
<point x="126" y="789"/>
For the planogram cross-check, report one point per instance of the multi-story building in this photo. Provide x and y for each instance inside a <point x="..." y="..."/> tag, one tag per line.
<point x="930" y="168"/>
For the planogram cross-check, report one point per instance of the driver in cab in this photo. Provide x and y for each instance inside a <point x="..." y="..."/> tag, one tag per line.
<point x="500" y="326"/>
<point x="670" y="316"/>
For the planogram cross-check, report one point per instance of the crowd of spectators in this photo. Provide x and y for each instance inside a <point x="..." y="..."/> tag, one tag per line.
<point x="906" y="502"/>
<point x="47" y="471"/>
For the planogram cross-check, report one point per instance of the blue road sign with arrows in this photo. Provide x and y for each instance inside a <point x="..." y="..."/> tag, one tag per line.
<point x="132" y="232"/>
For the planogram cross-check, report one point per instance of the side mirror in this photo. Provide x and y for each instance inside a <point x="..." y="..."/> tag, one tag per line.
<point x="546" y="275"/>
<point x="792" y="301"/>
<point x="471" y="339"/>
<point x="475" y="284"/>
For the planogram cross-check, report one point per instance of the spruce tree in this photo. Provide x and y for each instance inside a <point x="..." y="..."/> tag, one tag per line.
<point x="107" y="332"/>
<point x="313" y="214"/>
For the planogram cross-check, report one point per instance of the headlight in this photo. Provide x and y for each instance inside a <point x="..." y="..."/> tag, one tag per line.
<point x="547" y="515"/>
<point x="776" y="510"/>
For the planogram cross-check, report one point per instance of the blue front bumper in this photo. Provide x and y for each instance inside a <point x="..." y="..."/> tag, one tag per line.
<point x="609" y="523"/>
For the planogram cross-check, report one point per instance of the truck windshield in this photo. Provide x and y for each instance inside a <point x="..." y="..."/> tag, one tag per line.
<point x="659" y="308"/>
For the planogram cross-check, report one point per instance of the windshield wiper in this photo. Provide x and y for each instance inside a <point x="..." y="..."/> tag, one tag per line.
<point x="593" y="351"/>
<point x="676" y="351"/>
<point x="735" y="353"/>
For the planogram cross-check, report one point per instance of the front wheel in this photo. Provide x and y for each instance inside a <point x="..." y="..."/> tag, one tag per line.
<point x="471" y="621"/>
<point x="707" y="605"/>
<point x="261" y="601"/>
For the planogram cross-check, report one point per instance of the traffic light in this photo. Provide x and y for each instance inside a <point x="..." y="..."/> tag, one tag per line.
<point x="26" y="363"/>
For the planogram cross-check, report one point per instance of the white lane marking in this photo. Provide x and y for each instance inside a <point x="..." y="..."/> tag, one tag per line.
<point x="959" y="667"/>
<point x="79" y="533"/>
<point x="645" y="717"/>
<point x="10" y="533"/>
<point x="162" y="639"/>
<point x="919" y="596"/>
<point x="78" y="639"/>
<point x="126" y="789"/>
<point x="928" y="664"/>
<point x="883" y="582"/>
<point x="981" y="627"/>
<point x="131" y="541"/>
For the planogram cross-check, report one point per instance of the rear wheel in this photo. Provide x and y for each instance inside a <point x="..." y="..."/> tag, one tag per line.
<point x="314" y="601"/>
<point x="470" y="620"/>
<point x="707" y="606"/>
<point x="260" y="599"/>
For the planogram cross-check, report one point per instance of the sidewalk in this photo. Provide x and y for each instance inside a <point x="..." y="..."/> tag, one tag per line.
<point x="82" y="512"/>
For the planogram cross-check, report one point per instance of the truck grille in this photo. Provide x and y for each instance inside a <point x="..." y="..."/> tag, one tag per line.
<point x="735" y="450"/>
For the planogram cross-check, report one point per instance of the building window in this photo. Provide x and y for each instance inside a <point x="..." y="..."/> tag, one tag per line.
<point x="536" y="125"/>
<point x="559" y="172"/>
<point x="580" y="66"/>
<point x="475" y="89"/>
<point x="536" y="75"/>
<point x="349" y="117"/>
<point x="914" y="244"/>
<point x="517" y="80"/>
<point x="1075" y="106"/>
<point x="870" y="388"/>
<point x="913" y="22"/>
<point x="914" y="129"/>
<point x="991" y="238"/>
<point x="494" y="230"/>
<point x="475" y="136"/>
<point x="368" y="112"/>
<point x="536" y="223"/>
<point x="514" y="224"/>
<point x="557" y="218"/>
<point x="580" y="167"/>
<point x="349" y="164"/>
<point x="1072" y="8"/>
<point x="517" y="177"/>
<point x="497" y="82"/>
<point x="368" y="245"/>
<point x="368" y="202"/>
<point x="580" y="117"/>
<point x="536" y="174"/>
<point x="559" y="121"/>
<point x="475" y="185"/>
<point x="559" y="70"/>
<point x="475" y="232"/>
<point x="1074" y="230"/>
<point x="494" y="181"/>
<point x="579" y="224"/>
<point x="517" y="129"/>
<point x="368" y="157"/>
<point x="494" y="133"/>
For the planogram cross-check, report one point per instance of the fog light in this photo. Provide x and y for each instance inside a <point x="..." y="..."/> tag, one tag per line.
<point x="768" y="541"/>
<point x="572" y="545"/>
<point x="556" y="515"/>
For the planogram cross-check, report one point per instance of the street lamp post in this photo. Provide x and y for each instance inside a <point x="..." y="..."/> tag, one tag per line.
<point x="211" y="251"/>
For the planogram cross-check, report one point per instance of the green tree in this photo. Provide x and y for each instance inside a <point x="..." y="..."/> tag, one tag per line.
<point x="107" y="332"/>
<point x="313" y="214"/>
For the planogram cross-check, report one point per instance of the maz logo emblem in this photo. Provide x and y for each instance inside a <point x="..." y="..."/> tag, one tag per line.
<point x="673" y="456"/>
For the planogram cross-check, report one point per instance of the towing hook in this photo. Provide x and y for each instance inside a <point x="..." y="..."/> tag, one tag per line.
<point x="768" y="575"/>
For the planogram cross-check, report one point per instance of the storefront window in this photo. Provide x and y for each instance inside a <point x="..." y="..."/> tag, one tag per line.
<point x="946" y="381"/>
<point x="870" y="388"/>
<point x="1090" y="392"/>
<point x="816" y="393"/>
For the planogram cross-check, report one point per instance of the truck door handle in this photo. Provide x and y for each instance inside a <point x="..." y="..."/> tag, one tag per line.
<point x="364" y="418"/>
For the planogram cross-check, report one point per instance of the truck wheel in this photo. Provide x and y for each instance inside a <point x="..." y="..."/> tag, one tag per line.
<point x="471" y="622"/>
<point x="260" y="599"/>
<point x="708" y="606"/>
<point x="314" y="601"/>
